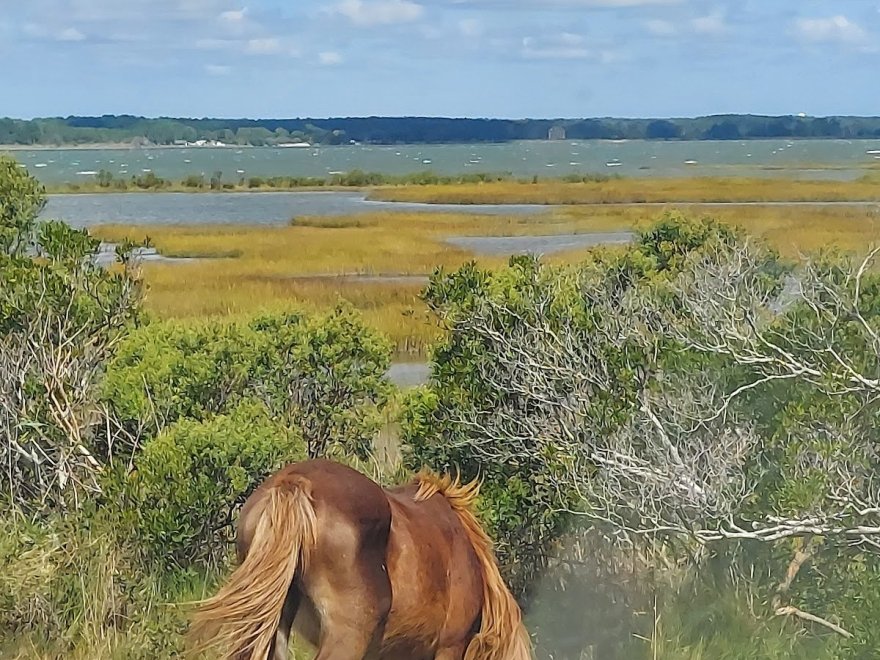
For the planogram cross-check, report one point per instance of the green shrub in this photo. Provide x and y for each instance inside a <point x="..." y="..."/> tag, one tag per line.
<point x="72" y="587"/>
<point x="149" y="181"/>
<point x="187" y="482"/>
<point x="194" y="181"/>
<point x="323" y="374"/>
<point x="164" y="372"/>
<point x="61" y="316"/>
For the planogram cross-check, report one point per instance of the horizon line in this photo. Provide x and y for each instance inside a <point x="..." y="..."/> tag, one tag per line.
<point x="446" y="117"/>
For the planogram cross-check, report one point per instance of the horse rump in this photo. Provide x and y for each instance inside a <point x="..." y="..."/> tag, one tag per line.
<point x="243" y="615"/>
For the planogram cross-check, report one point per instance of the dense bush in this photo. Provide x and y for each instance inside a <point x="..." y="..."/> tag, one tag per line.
<point x="323" y="374"/>
<point x="61" y="316"/>
<point x="188" y="481"/>
<point x="488" y="369"/>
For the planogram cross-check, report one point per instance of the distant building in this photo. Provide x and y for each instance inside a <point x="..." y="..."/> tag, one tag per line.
<point x="556" y="133"/>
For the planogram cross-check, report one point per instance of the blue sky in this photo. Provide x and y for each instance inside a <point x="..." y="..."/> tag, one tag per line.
<point x="474" y="58"/>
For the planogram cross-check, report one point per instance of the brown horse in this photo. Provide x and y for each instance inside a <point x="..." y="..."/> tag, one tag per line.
<point x="361" y="571"/>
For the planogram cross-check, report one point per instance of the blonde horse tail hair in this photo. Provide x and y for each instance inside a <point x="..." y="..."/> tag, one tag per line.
<point x="502" y="634"/>
<point x="243" y="615"/>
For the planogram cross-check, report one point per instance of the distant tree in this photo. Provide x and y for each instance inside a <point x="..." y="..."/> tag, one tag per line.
<point x="661" y="129"/>
<point x="104" y="178"/>
<point x="726" y="130"/>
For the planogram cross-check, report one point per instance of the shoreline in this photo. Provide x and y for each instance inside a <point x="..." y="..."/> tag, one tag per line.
<point x="125" y="146"/>
<point x="129" y="146"/>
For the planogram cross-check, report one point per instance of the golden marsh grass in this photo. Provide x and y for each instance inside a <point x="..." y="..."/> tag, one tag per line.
<point x="637" y="190"/>
<point x="264" y="268"/>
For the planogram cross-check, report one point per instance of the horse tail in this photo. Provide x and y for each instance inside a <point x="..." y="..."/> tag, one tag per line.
<point x="244" y="613"/>
<point x="502" y="634"/>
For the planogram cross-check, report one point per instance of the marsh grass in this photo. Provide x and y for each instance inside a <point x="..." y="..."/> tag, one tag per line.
<point x="267" y="268"/>
<point x="636" y="190"/>
<point x="282" y="265"/>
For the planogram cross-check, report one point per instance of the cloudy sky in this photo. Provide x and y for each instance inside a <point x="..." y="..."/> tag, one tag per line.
<point x="475" y="58"/>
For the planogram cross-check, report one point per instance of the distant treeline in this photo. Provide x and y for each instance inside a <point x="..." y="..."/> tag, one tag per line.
<point x="402" y="130"/>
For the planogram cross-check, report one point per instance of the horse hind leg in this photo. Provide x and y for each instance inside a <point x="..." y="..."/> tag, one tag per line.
<point x="280" y="647"/>
<point x="350" y="641"/>
<point x="353" y="620"/>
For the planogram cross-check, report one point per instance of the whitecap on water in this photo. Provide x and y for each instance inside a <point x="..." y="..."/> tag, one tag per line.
<point x="87" y="172"/>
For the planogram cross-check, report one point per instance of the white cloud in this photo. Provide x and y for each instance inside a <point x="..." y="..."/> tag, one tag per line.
<point x="254" y="46"/>
<point x="263" y="46"/>
<point x="835" y="29"/>
<point x="380" y="12"/>
<point x="233" y="15"/>
<point x="565" y="46"/>
<point x="107" y="11"/>
<point x="330" y="58"/>
<point x="71" y="34"/>
<point x="53" y="34"/>
<point x="217" y="69"/>
<point x="710" y="24"/>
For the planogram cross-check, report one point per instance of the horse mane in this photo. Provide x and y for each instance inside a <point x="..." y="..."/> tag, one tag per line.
<point x="502" y="635"/>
